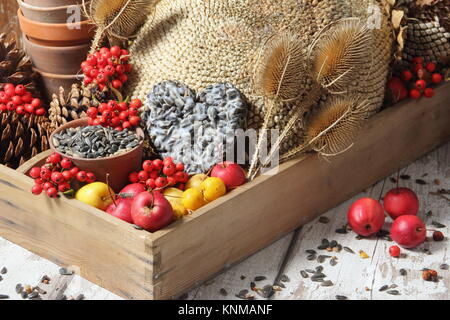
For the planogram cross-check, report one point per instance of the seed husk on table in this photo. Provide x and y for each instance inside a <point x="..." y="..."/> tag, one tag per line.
<point x="285" y="278"/>
<point x="383" y="288"/>
<point x="444" y="266"/>
<point x="310" y="271"/>
<point x="339" y="297"/>
<point x="324" y="219"/>
<point x="311" y="257"/>
<point x="4" y="296"/>
<point x="438" y="225"/>
<point x="19" y="288"/>
<point x="1" y="278"/>
<point x="405" y="177"/>
<point x="267" y="291"/>
<point x="421" y="182"/>
<point x="24" y="294"/>
<point x="327" y="283"/>
<point x="260" y="278"/>
<point x="393" y="292"/>
<point x="32" y="295"/>
<point x="242" y="294"/>
<point x="65" y="272"/>
<point x="304" y="274"/>
<point x="341" y="231"/>
<point x="4" y="270"/>
<point x="137" y="227"/>
<point x="333" y="262"/>
<point x="223" y="292"/>
<point x="310" y="251"/>
<point x="403" y="272"/>
<point x="348" y="250"/>
<point x="319" y="269"/>
<point x="80" y="297"/>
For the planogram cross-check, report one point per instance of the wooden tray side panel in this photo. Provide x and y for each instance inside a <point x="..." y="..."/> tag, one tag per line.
<point x="103" y="249"/>
<point x="264" y="210"/>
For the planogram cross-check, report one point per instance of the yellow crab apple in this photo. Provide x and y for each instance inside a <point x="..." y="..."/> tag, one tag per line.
<point x="196" y="180"/>
<point x="96" y="194"/>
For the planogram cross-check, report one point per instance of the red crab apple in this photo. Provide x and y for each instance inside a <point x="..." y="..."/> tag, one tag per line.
<point x="151" y="211"/>
<point x="122" y="207"/>
<point x="230" y="173"/>
<point x="401" y="201"/>
<point x="366" y="216"/>
<point x="408" y="231"/>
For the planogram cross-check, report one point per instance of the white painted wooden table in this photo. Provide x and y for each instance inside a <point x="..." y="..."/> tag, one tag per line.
<point x="353" y="277"/>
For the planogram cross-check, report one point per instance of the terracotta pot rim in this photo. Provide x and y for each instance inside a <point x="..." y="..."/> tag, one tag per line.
<point x="52" y="25"/>
<point x="58" y="76"/>
<point x="45" y="9"/>
<point x="52" y="48"/>
<point x="84" y="123"/>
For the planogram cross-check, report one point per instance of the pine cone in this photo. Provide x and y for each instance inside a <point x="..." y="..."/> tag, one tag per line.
<point x="64" y="108"/>
<point x="21" y="138"/>
<point x="428" y="30"/>
<point x="15" y="65"/>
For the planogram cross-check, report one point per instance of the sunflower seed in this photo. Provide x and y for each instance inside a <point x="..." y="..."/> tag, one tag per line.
<point x="24" y="295"/>
<point x="285" y="278"/>
<point x="304" y="274"/>
<point x="3" y="296"/>
<point x="243" y="277"/>
<point x="393" y="292"/>
<point x="311" y="257"/>
<point x="348" y="250"/>
<point x="405" y="177"/>
<point x="223" y="292"/>
<point x="341" y="231"/>
<point x="65" y="272"/>
<point x="1" y="278"/>
<point x="137" y="227"/>
<point x="393" y="180"/>
<point x="324" y="219"/>
<point x="325" y="242"/>
<point x="322" y="258"/>
<point x="327" y="283"/>
<point x="403" y="272"/>
<point x="319" y="269"/>
<point x="242" y="294"/>
<point x="310" y="251"/>
<point x="310" y="271"/>
<point x="443" y="266"/>
<point x="267" y="291"/>
<point x="333" y="262"/>
<point x="4" y="270"/>
<point x="438" y="224"/>
<point x="322" y="246"/>
<point x="384" y="288"/>
<point x="317" y="276"/>
<point x="32" y="295"/>
<point x="260" y="278"/>
<point x="333" y="244"/>
<point x="420" y="181"/>
<point x="316" y="279"/>
<point x="339" y="297"/>
<point x="80" y="297"/>
<point x="19" y="288"/>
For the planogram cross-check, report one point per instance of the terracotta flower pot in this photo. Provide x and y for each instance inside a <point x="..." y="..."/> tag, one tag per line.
<point x="118" y="167"/>
<point x="52" y="3"/>
<point x="51" y="82"/>
<point x="59" y="60"/>
<point x="61" y="14"/>
<point x="57" y="34"/>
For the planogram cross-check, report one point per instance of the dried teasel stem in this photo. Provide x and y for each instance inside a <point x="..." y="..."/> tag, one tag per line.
<point x="332" y="128"/>
<point x="338" y="53"/>
<point x="280" y="78"/>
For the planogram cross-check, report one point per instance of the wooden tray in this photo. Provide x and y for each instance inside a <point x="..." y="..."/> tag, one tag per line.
<point x="140" y="265"/>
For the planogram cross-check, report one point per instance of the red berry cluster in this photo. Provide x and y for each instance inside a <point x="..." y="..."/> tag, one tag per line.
<point x="420" y="77"/>
<point x="160" y="174"/>
<point x="56" y="175"/>
<point x="118" y="115"/>
<point x="19" y="99"/>
<point x="107" y="66"/>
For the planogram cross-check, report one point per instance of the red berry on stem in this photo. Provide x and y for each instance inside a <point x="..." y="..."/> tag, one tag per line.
<point x="406" y="75"/>
<point x="169" y="169"/>
<point x="430" y="66"/>
<point x="397" y="89"/>
<point x="52" y="192"/>
<point x="74" y="171"/>
<point x="127" y="125"/>
<point x="415" y="94"/>
<point x="57" y="177"/>
<point x="90" y="177"/>
<point x="134" y="120"/>
<point x="438" y="236"/>
<point x="116" y="51"/>
<point x="20" y="90"/>
<point x="66" y="163"/>
<point x="82" y="176"/>
<point x="64" y="187"/>
<point x="35" y="172"/>
<point x="171" y="181"/>
<point x="136" y="103"/>
<point x="157" y="164"/>
<point x="67" y="175"/>
<point x="394" y="251"/>
<point x="133" y="177"/>
<point x="179" y="166"/>
<point x="47" y="185"/>
<point x="429" y="92"/>
<point x="92" y="112"/>
<point x="116" y="84"/>
<point x="161" y="182"/>
<point x="147" y="165"/>
<point x="37" y="189"/>
<point x="436" y="77"/>
<point x="46" y="173"/>
<point x="40" y="112"/>
<point x="142" y="176"/>
<point x="421" y="84"/>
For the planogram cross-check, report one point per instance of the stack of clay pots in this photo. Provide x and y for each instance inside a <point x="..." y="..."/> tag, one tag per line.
<point x="56" y="36"/>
